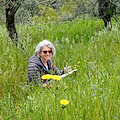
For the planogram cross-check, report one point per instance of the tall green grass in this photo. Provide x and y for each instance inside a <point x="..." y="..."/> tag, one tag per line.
<point x="93" y="91"/>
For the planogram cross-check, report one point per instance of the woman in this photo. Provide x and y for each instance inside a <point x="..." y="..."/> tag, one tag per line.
<point x="40" y="63"/>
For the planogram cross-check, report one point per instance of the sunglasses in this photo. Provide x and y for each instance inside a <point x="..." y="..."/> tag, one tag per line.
<point x="45" y="52"/>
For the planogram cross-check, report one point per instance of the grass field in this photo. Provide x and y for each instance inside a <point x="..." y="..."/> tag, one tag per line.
<point x="93" y="91"/>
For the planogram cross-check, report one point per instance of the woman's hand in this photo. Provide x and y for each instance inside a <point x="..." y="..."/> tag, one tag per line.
<point x="67" y="69"/>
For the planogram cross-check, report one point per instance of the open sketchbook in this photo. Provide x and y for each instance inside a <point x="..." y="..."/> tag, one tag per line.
<point x="62" y="76"/>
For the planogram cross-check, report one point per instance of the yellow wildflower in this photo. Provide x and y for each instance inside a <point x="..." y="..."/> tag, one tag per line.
<point x="55" y="77"/>
<point x="64" y="102"/>
<point x="46" y="76"/>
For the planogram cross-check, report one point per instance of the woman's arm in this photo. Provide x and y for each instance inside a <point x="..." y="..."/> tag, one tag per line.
<point x="33" y="74"/>
<point x="54" y="69"/>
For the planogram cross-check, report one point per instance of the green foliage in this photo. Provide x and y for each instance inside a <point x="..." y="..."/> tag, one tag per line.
<point x="67" y="8"/>
<point x="46" y="14"/>
<point x="93" y="91"/>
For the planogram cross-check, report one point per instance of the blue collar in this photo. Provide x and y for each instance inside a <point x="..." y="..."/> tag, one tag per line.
<point x="44" y="66"/>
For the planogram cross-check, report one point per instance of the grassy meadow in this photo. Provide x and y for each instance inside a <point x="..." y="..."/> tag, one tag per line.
<point x="93" y="91"/>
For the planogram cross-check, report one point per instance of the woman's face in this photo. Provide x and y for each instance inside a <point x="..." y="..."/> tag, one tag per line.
<point x="46" y="53"/>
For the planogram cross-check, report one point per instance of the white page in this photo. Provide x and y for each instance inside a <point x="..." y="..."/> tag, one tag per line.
<point x="62" y="76"/>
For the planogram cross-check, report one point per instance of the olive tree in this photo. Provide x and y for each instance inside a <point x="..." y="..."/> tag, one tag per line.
<point x="107" y="9"/>
<point x="11" y="8"/>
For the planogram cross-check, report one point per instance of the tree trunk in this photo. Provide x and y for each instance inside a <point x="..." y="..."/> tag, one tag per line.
<point x="10" y="24"/>
<point x="11" y="8"/>
<point x="106" y="10"/>
<point x="103" y="8"/>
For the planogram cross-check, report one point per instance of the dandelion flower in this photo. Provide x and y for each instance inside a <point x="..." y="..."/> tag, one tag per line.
<point x="64" y="102"/>
<point x="46" y="76"/>
<point x="55" y="77"/>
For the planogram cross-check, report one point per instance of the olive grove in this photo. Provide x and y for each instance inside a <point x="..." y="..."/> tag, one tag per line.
<point x="27" y="11"/>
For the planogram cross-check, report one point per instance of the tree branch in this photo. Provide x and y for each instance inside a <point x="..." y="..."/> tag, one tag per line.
<point x="114" y="4"/>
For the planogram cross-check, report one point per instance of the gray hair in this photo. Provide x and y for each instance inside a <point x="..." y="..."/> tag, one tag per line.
<point x="43" y="43"/>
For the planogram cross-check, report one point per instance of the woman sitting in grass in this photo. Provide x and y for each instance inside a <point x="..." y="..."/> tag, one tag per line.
<point x="40" y="63"/>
